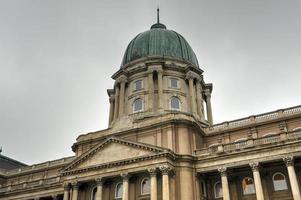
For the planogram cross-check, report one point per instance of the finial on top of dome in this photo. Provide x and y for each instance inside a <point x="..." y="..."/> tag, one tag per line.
<point x="158" y="15"/>
<point x="158" y="24"/>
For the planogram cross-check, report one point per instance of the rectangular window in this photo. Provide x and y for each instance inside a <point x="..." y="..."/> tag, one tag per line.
<point x="174" y="83"/>
<point x="138" y="85"/>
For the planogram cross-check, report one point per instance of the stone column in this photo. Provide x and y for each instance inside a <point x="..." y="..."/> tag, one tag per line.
<point x="257" y="181"/>
<point x="153" y="184"/>
<point x="225" y="184"/>
<point x="289" y="161"/>
<point x="111" y="115"/>
<point x="116" y="102"/>
<point x="165" y="182"/>
<point x="75" y="187"/>
<point x="160" y="89"/>
<point x="122" y="97"/>
<point x="208" y="106"/>
<point x="192" y="95"/>
<point x="199" y="99"/>
<point x="66" y="191"/>
<point x="99" y="183"/>
<point x="125" y="186"/>
<point x="150" y="91"/>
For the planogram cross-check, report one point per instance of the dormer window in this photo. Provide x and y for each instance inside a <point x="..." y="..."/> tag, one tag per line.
<point x="174" y="83"/>
<point x="138" y="85"/>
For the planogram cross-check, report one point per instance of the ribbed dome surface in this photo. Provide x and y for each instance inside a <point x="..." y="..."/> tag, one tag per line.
<point x="159" y="41"/>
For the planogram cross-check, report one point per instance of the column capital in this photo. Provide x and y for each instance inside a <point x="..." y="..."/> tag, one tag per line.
<point x="66" y="186"/>
<point x="165" y="169"/>
<point x="99" y="181"/>
<point x="122" y="79"/>
<point x="75" y="185"/>
<point x="125" y="176"/>
<point x="222" y="171"/>
<point x="288" y="160"/>
<point x="112" y="98"/>
<point x="207" y="93"/>
<point x="192" y="75"/>
<point x="152" y="171"/>
<point x="254" y="166"/>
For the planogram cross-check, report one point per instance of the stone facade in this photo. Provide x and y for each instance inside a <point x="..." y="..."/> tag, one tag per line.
<point x="161" y="144"/>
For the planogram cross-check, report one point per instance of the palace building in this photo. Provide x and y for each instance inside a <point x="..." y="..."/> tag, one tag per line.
<point x="161" y="142"/>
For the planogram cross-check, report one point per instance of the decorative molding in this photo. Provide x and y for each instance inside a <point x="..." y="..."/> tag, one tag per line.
<point x="288" y="160"/>
<point x="125" y="176"/>
<point x="66" y="186"/>
<point x="99" y="181"/>
<point x="75" y="185"/>
<point x="192" y="75"/>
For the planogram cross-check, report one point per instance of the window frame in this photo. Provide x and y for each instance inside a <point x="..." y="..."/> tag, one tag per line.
<point x="92" y="192"/>
<point x="115" y="192"/>
<point x="133" y="105"/>
<point x="170" y="103"/>
<point x="273" y="180"/>
<point x="170" y="83"/>
<point x="141" y="188"/>
<point x="214" y="189"/>
<point x="243" y="191"/>
<point x="135" y="85"/>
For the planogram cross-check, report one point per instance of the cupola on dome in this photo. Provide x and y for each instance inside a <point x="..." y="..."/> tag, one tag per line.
<point x="161" y="42"/>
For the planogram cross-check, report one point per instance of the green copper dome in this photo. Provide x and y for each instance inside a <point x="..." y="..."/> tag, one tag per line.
<point x="159" y="41"/>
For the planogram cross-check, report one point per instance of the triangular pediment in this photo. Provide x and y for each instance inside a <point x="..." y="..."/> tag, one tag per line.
<point x="112" y="150"/>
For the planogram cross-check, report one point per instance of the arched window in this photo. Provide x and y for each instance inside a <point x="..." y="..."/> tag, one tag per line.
<point x="175" y="103"/>
<point x="138" y="105"/>
<point x="218" y="191"/>
<point x="118" y="190"/>
<point x="279" y="182"/>
<point x="145" y="186"/>
<point x="93" y="194"/>
<point x="248" y="186"/>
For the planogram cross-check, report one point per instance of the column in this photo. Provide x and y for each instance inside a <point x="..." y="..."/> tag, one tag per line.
<point x="121" y="97"/>
<point x="165" y="182"/>
<point x="160" y="90"/>
<point x="153" y="184"/>
<point x="99" y="183"/>
<point x="125" y="194"/>
<point x="289" y="161"/>
<point x="257" y="181"/>
<point x="150" y="91"/>
<point x="75" y="187"/>
<point x="225" y="184"/>
<point x="208" y="106"/>
<point x="192" y="96"/>
<point x="199" y="99"/>
<point x="111" y="115"/>
<point x="66" y="191"/>
<point x="116" y="102"/>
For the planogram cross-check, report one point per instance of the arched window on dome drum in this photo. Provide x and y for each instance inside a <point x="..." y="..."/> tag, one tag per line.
<point x="175" y="103"/>
<point x="118" y="190"/>
<point x="93" y="194"/>
<point x="138" y="105"/>
<point x="218" y="191"/>
<point x="248" y="186"/>
<point x="279" y="182"/>
<point x="145" y="186"/>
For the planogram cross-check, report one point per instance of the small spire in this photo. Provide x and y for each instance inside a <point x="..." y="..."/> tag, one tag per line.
<point x="158" y="15"/>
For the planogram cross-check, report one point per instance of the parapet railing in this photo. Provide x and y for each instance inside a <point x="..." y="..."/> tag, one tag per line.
<point x="39" y="166"/>
<point x="29" y="184"/>
<point x="250" y="143"/>
<point x="254" y="119"/>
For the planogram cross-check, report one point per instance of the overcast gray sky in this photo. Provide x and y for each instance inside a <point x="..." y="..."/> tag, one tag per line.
<point x="57" y="57"/>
